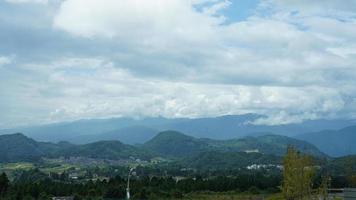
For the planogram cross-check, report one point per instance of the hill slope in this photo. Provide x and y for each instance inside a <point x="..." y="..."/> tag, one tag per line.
<point x="169" y="144"/>
<point x="269" y="144"/>
<point x="334" y="143"/>
<point x="17" y="147"/>
<point x="113" y="150"/>
<point x="176" y="144"/>
<point x="229" y="160"/>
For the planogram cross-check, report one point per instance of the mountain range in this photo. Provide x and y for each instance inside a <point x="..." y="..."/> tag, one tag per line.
<point x="330" y="136"/>
<point x="333" y="142"/>
<point x="133" y="131"/>
<point x="20" y="148"/>
<point x="168" y="144"/>
<point x="176" y="144"/>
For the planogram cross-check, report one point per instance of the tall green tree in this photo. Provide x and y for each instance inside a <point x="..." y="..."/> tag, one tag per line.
<point x="297" y="175"/>
<point x="4" y="184"/>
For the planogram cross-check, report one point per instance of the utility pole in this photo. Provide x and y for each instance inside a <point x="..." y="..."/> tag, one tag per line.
<point x="128" y="184"/>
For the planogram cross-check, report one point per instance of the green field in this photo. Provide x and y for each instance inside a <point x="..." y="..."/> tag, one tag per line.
<point x="16" y="166"/>
<point x="11" y="168"/>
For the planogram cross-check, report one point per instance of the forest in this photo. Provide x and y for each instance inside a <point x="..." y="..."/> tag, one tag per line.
<point x="298" y="169"/>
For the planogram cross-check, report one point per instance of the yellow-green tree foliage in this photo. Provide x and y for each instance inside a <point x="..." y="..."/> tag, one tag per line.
<point x="297" y="175"/>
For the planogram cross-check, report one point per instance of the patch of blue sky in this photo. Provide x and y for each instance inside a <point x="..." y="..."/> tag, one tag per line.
<point x="240" y="10"/>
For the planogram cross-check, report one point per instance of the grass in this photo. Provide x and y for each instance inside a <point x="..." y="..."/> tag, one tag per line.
<point x="60" y="167"/>
<point x="16" y="166"/>
<point x="10" y="168"/>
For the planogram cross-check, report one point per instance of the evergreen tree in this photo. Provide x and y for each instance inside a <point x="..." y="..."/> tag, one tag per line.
<point x="4" y="184"/>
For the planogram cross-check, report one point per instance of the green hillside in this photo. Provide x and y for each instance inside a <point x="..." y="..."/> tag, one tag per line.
<point x="175" y="144"/>
<point x="17" y="147"/>
<point x="339" y="166"/>
<point x="268" y="144"/>
<point x="106" y="150"/>
<point x="229" y="160"/>
<point x="168" y="144"/>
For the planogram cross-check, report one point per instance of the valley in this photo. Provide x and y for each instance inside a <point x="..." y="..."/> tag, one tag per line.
<point x="249" y="166"/>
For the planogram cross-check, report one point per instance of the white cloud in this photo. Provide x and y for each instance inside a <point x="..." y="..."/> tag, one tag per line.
<point x="4" y="60"/>
<point x="73" y="93"/>
<point x="344" y="52"/>
<point x="173" y="33"/>
<point x="325" y="7"/>
<point x="135" y="19"/>
<point x="289" y="61"/>
<point x="300" y="50"/>
<point x="27" y="1"/>
<point x="72" y="63"/>
<point x="215" y="8"/>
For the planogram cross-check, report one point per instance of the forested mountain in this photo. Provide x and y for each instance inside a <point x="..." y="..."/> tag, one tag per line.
<point x="176" y="144"/>
<point x="335" y="143"/>
<point x="267" y="144"/>
<point x="216" y="160"/>
<point x="17" y="147"/>
<point x="342" y="164"/>
<point x="168" y="144"/>
<point x="112" y="150"/>
<point x="224" y="127"/>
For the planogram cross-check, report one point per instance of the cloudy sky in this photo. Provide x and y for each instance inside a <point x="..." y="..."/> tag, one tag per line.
<point x="63" y="60"/>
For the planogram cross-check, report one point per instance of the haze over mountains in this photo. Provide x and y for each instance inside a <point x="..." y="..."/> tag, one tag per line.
<point x="333" y="137"/>
<point x="133" y="131"/>
<point x="168" y="144"/>
<point x="333" y="142"/>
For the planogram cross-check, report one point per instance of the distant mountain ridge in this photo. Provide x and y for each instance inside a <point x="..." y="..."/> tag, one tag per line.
<point x="333" y="142"/>
<point x="128" y="135"/>
<point x="176" y="144"/>
<point x="223" y="127"/>
<point x="168" y="144"/>
<point x="20" y="148"/>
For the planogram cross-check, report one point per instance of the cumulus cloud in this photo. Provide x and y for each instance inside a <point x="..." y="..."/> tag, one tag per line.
<point x="4" y="60"/>
<point x="174" y="33"/>
<point x="132" y="18"/>
<point x="27" y="1"/>
<point x="183" y="58"/>
<point x="111" y="92"/>
<point x="73" y="93"/>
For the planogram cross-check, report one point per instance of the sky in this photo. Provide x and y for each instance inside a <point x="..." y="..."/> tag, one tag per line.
<point x="63" y="60"/>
